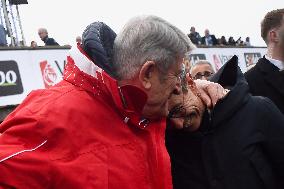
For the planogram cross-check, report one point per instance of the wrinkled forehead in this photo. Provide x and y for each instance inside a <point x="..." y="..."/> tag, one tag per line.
<point x="202" y="67"/>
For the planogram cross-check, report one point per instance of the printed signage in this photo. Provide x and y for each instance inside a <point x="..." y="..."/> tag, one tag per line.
<point x="10" y="79"/>
<point x="220" y="60"/>
<point x="251" y="58"/>
<point x="49" y="76"/>
<point x="196" y="57"/>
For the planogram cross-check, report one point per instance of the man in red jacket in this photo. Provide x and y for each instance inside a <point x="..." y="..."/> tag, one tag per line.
<point x="103" y="125"/>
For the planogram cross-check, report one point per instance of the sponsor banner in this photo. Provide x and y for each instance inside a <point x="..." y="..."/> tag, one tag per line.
<point x="193" y="58"/>
<point x="219" y="56"/>
<point x="22" y="71"/>
<point x="10" y="79"/>
<point x="251" y="58"/>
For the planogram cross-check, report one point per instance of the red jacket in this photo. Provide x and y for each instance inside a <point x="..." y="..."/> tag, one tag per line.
<point x="81" y="134"/>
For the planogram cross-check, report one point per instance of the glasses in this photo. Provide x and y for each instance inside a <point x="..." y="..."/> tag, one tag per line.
<point x="179" y="111"/>
<point x="199" y="75"/>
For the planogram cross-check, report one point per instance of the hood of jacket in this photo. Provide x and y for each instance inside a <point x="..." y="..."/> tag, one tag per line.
<point x="230" y="77"/>
<point x="90" y="67"/>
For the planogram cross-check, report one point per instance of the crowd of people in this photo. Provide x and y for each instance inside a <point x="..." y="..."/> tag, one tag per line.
<point x="207" y="40"/>
<point x="130" y="114"/>
<point x="210" y="39"/>
<point x="42" y="32"/>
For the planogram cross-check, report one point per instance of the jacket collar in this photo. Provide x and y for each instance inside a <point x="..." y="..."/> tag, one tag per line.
<point x="231" y="104"/>
<point x="271" y="74"/>
<point x="266" y="66"/>
<point x="279" y="64"/>
<point x="129" y="100"/>
<point x="229" y="76"/>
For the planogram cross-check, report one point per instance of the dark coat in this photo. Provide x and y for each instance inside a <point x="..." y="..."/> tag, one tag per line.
<point x="48" y="41"/>
<point x="264" y="79"/>
<point x="240" y="145"/>
<point x="195" y="38"/>
<point x="214" y="40"/>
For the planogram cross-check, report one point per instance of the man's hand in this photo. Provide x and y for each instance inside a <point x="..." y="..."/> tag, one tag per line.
<point x="210" y="92"/>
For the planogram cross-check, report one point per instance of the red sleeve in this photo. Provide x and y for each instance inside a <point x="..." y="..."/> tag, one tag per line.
<point x="23" y="162"/>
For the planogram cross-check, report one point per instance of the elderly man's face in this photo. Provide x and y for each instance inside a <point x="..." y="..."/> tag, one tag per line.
<point x="206" y="32"/>
<point x="186" y="110"/>
<point x="42" y="34"/>
<point x="192" y="30"/>
<point x="202" y="71"/>
<point x="163" y="86"/>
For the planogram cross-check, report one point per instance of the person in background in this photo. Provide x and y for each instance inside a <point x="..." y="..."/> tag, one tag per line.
<point x="33" y="44"/>
<point x="236" y="145"/>
<point x="266" y="78"/>
<point x="231" y="41"/>
<point x="103" y="126"/>
<point x="208" y="39"/>
<point x="78" y="40"/>
<point x="223" y="41"/>
<point x="202" y="69"/>
<point x="48" y="41"/>
<point x="194" y="36"/>
<point x="3" y="39"/>
<point x="240" y="42"/>
<point x="247" y="42"/>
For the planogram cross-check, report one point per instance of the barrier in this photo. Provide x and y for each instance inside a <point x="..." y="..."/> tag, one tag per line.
<point x="25" y="69"/>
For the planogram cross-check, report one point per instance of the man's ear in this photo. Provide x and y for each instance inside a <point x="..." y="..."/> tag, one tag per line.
<point x="146" y="74"/>
<point x="273" y="36"/>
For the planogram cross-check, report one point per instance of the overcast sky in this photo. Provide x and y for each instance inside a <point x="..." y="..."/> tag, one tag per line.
<point x="66" y="19"/>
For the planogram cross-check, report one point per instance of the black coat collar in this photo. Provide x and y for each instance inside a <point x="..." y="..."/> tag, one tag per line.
<point x="230" y="105"/>
<point x="271" y="74"/>
<point x="229" y="76"/>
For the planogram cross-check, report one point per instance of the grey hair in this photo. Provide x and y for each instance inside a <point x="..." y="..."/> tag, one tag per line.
<point x="199" y="62"/>
<point x="43" y="30"/>
<point x="148" y="38"/>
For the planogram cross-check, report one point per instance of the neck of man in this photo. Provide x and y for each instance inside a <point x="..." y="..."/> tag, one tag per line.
<point x="275" y="52"/>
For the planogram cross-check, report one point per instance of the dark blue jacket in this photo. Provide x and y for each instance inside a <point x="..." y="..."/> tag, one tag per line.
<point x="48" y="41"/>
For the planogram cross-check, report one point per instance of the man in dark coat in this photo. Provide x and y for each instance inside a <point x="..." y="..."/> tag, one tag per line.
<point x="208" y="39"/>
<point x="239" y="145"/>
<point x="48" y="41"/>
<point x="194" y="36"/>
<point x="266" y="78"/>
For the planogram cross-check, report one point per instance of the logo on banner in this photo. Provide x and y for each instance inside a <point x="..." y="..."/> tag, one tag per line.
<point x="251" y="58"/>
<point x="10" y="79"/>
<point x="196" y="57"/>
<point x="49" y="75"/>
<point x="220" y="60"/>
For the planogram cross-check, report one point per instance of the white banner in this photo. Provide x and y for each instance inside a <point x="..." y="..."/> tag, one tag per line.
<point x="22" y="71"/>
<point x="219" y="56"/>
